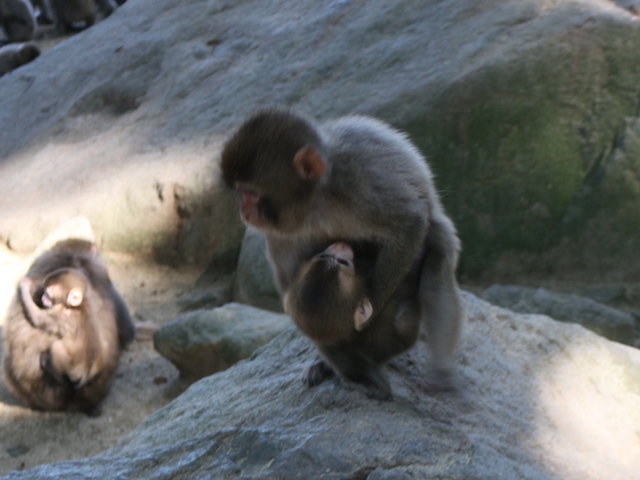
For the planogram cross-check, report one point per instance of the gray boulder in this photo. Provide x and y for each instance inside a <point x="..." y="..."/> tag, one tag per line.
<point x="203" y="342"/>
<point x="607" y="321"/>
<point x="526" y="110"/>
<point x="254" y="279"/>
<point x="537" y="399"/>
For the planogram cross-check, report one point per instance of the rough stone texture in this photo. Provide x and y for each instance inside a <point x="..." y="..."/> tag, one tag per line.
<point x="527" y="109"/>
<point x="610" y="322"/>
<point x="538" y="399"/>
<point x="254" y="278"/>
<point x="204" y="342"/>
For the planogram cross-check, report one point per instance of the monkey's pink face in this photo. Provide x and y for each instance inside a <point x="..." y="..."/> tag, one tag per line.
<point x="338" y="255"/>
<point x="252" y="208"/>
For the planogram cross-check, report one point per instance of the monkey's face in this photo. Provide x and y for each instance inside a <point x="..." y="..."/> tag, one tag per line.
<point x="279" y="210"/>
<point x="274" y="163"/>
<point x="328" y="300"/>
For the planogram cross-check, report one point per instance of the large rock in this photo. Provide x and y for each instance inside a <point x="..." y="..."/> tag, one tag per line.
<point x="254" y="279"/>
<point x="610" y="322"/>
<point x="538" y="399"/>
<point x="526" y="109"/>
<point x="203" y="342"/>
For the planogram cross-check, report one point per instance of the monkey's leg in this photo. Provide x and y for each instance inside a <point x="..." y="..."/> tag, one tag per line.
<point x="354" y="366"/>
<point x="441" y="302"/>
<point x="407" y="324"/>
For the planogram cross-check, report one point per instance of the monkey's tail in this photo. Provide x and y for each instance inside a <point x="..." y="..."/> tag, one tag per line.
<point x="443" y="313"/>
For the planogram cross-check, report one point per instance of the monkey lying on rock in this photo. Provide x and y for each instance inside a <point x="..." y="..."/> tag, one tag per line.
<point x="352" y="181"/>
<point x="65" y="330"/>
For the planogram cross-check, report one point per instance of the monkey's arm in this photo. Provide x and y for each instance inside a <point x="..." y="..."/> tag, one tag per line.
<point x="38" y="317"/>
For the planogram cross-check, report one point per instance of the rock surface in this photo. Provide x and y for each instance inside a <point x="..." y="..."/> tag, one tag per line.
<point x="254" y="280"/>
<point x="609" y="322"/>
<point x="204" y="342"/>
<point x="527" y="110"/>
<point x="538" y="399"/>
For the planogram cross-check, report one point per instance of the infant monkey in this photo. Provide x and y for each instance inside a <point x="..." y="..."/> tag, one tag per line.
<point x="65" y="315"/>
<point x="328" y="298"/>
<point x="328" y="302"/>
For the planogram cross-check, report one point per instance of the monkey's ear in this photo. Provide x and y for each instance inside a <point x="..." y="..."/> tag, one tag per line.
<point x="309" y="164"/>
<point x="75" y="297"/>
<point x="363" y="314"/>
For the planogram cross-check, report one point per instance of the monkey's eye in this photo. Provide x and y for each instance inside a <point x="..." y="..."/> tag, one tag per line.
<point x="344" y="262"/>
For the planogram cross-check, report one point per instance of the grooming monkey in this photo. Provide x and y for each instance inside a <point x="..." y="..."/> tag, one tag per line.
<point x="357" y="181"/>
<point x="65" y="330"/>
<point x="17" y="19"/>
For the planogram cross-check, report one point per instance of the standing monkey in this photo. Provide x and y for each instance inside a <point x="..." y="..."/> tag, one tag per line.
<point x="353" y="180"/>
<point x="65" y="330"/>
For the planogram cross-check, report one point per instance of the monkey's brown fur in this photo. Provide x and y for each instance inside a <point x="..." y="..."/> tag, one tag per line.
<point x="352" y="180"/>
<point x="328" y="303"/>
<point x="60" y="350"/>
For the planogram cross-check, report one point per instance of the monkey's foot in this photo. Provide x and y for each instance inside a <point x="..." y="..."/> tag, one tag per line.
<point x="317" y="372"/>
